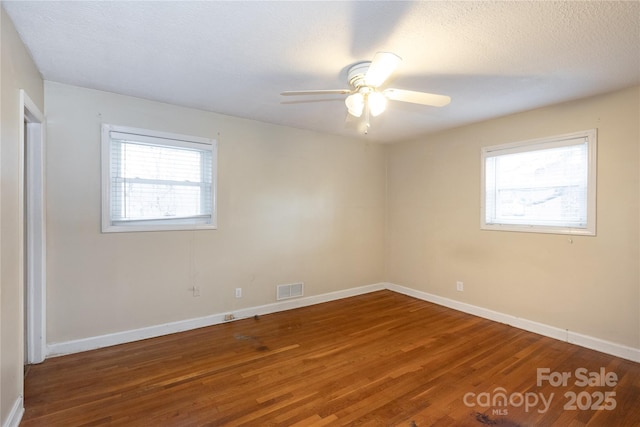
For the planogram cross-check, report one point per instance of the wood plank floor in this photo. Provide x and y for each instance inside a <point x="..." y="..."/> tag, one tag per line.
<point x="380" y="359"/>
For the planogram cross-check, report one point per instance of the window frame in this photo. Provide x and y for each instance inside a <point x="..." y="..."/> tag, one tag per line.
<point x="109" y="225"/>
<point x="531" y="145"/>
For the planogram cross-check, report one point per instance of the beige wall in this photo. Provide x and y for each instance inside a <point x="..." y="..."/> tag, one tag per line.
<point x="18" y="72"/>
<point x="300" y="206"/>
<point x="293" y="206"/>
<point x="590" y="286"/>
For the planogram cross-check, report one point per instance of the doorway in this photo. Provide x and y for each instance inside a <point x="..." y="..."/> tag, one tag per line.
<point x="34" y="261"/>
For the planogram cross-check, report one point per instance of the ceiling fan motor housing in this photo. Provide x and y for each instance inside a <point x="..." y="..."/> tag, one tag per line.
<point x="356" y="73"/>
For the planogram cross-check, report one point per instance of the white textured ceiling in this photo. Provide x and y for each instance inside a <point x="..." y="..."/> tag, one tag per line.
<point x="492" y="58"/>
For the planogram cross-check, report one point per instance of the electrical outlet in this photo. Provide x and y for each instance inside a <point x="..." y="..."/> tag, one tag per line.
<point x="459" y="286"/>
<point x="238" y="292"/>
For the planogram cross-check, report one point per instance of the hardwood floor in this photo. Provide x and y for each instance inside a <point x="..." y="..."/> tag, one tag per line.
<point x="380" y="359"/>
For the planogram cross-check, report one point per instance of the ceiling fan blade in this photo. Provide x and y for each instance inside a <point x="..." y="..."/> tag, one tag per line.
<point x="316" y="92"/>
<point x="381" y="68"/>
<point x="423" y="98"/>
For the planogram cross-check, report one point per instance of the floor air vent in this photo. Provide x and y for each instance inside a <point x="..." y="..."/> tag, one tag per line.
<point x="293" y="290"/>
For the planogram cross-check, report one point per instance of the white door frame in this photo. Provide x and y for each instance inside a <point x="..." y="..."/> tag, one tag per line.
<point x="34" y="192"/>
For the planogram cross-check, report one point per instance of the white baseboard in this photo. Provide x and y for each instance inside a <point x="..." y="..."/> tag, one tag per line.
<point x="75" y="346"/>
<point x="92" y="343"/>
<point x="15" y="416"/>
<point x="560" y="334"/>
<point x="604" y="346"/>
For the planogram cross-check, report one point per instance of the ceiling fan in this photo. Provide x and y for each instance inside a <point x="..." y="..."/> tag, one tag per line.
<point x="366" y="96"/>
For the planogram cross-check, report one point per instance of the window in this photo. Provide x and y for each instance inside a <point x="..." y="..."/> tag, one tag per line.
<point x="544" y="185"/>
<point x="157" y="181"/>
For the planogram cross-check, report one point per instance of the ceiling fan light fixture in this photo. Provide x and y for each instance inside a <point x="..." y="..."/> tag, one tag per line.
<point x="355" y="104"/>
<point x="366" y="97"/>
<point x="377" y="103"/>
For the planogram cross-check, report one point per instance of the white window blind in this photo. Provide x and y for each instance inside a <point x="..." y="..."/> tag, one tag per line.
<point x="543" y="185"/>
<point x="157" y="181"/>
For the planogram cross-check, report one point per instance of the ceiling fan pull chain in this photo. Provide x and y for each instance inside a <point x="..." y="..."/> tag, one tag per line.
<point x="365" y="115"/>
